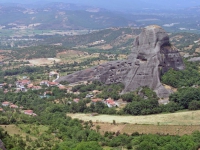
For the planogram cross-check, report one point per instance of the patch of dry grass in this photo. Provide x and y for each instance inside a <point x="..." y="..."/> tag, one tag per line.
<point x="44" y="61"/>
<point x="13" y="129"/>
<point x="179" y="118"/>
<point x="173" y="124"/>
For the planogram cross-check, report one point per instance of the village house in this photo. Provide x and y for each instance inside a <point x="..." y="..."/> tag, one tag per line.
<point x="1" y="85"/>
<point x="36" y="87"/>
<point x="13" y="106"/>
<point x="1" y="110"/>
<point x="89" y="96"/>
<point x="29" y="112"/>
<point x="44" y="82"/>
<point x="5" y="103"/>
<point x="48" y="83"/>
<point x="52" y="83"/>
<point x="23" y="82"/>
<point x="29" y="86"/>
<point x="111" y="103"/>
<point x="76" y="100"/>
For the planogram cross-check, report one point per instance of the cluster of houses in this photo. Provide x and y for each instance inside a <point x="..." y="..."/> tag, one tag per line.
<point x="109" y="102"/>
<point x="12" y="106"/>
<point x="25" y="84"/>
<point x="49" y="83"/>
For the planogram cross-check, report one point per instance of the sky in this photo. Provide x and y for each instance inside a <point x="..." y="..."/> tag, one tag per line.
<point x="121" y="4"/>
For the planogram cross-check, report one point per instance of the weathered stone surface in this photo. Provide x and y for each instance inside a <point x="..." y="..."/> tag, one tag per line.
<point x="194" y="59"/>
<point x="151" y="56"/>
<point x="2" y="145"/>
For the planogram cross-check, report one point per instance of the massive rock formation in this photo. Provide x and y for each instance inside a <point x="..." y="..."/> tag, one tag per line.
<point x="2" y="145"/>
<point x="152" y="55"/>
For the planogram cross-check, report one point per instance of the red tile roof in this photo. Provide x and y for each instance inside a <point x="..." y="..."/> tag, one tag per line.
<point x="25" y="81"/>
<point x="13" y="106"/>
<point x="6" y="103"/>
<point x="110" y="101"/>
<point x="28" y="111"/>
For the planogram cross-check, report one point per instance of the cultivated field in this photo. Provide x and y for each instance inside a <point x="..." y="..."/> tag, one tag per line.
<point x="179" y="118"/>
<point x="147" y="129"/>
<point x="173" y="124"/>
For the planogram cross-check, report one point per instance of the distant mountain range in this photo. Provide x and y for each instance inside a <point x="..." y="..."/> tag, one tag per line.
<point x="118" y="5"/>
<point x="68" y="16"/>
<point x="59" y="16"/>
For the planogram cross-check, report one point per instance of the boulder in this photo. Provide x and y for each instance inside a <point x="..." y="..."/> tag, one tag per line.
<point x="151" y="56"/>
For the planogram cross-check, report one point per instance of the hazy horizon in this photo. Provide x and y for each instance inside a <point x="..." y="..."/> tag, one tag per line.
<point x="120" y="4"/>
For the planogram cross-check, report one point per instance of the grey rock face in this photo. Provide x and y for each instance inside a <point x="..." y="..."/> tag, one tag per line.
<point x="194" y="59"/>
<point x="2" y="145"/>
<point x="152" y="55"/>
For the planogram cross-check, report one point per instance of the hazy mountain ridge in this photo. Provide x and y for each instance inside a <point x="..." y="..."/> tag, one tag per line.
<point x="67" y="16"/>
<point x="60" y="16"/>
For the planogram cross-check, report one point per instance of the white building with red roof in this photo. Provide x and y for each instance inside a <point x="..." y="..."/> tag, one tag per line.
<point x="22" y="82"/>
<point x="111" y="103"/>
<point x="44" y="82"/>
<point x="29" y="112"/>
<point x="52" y="83"/>
<point x="13" y="106"/>
<point x="5" y="103"/>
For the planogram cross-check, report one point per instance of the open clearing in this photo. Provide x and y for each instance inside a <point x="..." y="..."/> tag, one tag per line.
<point x="179" y="118"/>
<point x="43" y="61"/>
<point x="13" y="129"/>
<point x="146" y="129"/>
<point x="71" y="56"/>
<point x="179" y="123"/>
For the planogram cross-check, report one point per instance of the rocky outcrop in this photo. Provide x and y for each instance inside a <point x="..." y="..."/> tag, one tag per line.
<point x="194" y="59"/>
<point x="2" y="145"/>
<point x="152" y="55"/>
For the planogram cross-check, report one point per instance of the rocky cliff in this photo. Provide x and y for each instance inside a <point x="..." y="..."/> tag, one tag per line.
<point x="152" y="55"/>
<point x="2" y="145"/>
